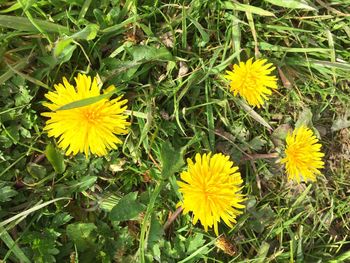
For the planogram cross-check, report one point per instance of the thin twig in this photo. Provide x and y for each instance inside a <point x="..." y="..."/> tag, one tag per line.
<point x="260" y="156"/>
<point x="39" y="158"/>
<point x="172" y="218"/>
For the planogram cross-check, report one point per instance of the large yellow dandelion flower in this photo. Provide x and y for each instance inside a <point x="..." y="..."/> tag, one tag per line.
<point x="303" y="155"/>
<point x="211" y="190"/>
<point x="92" y="128"/>
<point x="251" y="80"/>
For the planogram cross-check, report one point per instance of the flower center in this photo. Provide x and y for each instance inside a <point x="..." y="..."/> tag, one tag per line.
<point x="250" y="79"/>
<point x="91" y="115"/>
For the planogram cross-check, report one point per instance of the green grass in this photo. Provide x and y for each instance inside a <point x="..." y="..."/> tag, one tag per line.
<point x="168" y="58"/>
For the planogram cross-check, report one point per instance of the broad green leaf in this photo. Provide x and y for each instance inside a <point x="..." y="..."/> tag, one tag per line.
<point x="171" y="160"/>
<point x="195" y="242"/>
<point x="24" y="24"/>
<point x="55" y="158"/>
<point x="341" y="123"/>
<point x="36" y="170"/>
<point x="64" y="50"/>
<point x="82" y="234"/>
<point x="127" y="208"/>
<point x="155" y="232"/>
<point x="293" y="4"/>
<point x="149" y="53"/>
<point x="6" y="192"/>
<point x="82" y="184"/>
<point x="280" y="133"/>
<point x="61" y="47"/>
<point x="305" y="118"/>
<point x="88" y="33"/>
<point x="257" y="143"/>
<point x="247" y="8"/>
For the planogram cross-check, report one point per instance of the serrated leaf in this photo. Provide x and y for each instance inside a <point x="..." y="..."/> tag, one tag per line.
<point x="55" y="158"/>
<point x="293" y="4"/>
<point x="82" y="234"/>
<point x="127" y="208"/>
<point x="257" y="143"/>
<point x="341" y="122"/>
<point x="195" y="242"/>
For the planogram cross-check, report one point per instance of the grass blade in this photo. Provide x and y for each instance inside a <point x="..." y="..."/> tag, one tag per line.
<point x="24" y="24"/>
<point x="11" y="244"/>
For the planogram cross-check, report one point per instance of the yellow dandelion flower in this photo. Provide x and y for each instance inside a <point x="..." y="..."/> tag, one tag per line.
<point x="251" y="80"/>
<point x="302" y="155"/>
<point x="211" y="190"/>
<point x="92" y="128"/>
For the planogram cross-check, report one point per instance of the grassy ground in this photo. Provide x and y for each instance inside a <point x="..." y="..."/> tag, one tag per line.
<point x="168" y="58"/>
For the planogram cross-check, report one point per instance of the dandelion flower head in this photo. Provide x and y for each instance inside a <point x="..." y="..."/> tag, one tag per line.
<point x="91" y="128"/>
<point x="302" y="155"/>
<point x="211" y="190"/>
<point x="251" y="80"/>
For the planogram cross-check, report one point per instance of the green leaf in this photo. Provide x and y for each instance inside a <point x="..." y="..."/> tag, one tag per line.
<point x="305" y="118"/>
<point x="88" y="33"/>
<point x="82" y="234"/>
<point x="149" y="53"/>
<point x="64" y="50"/>
<point x="82" y="184"/>
<point x="36" y="170"/>
<point x="342" y="122"/>
<point x="155" y="232"/>
<point x="247" y="8"/>
<point x="171" y="160"/>
<point x="257" y="143"/>
<point x="262" y="253"/>
<point x="293" y="4"/>
<point x="55" y="158"/>
<point x="195" y="242"/>
<point x="61" y="46"/>
<point x="24" y="24"/>
<point x="127" y="208"/>
<point x="6" y="192"/>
